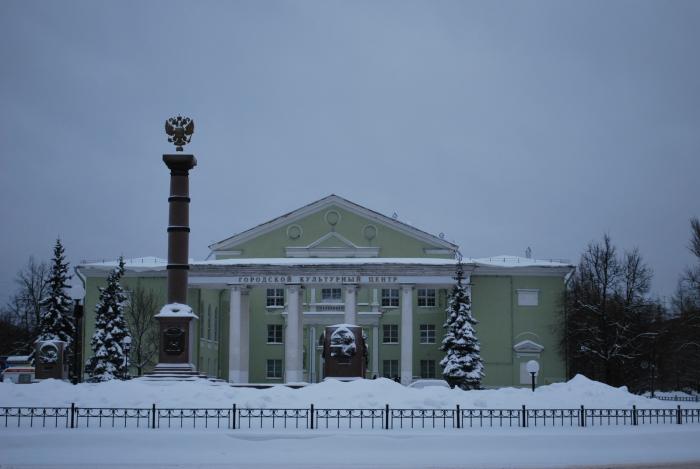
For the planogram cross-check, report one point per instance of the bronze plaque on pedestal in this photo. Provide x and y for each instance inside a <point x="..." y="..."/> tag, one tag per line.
<point x="344" y="352"/>
<point x="174" y="339"/>
<point x="50" y="360"/>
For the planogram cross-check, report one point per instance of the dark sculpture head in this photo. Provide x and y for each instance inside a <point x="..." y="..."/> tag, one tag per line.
<point x="179" y="130"/>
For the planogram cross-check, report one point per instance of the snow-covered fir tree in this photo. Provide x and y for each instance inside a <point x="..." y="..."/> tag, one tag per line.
<point x="56" y="317"/>
<point x="462" y="364"/>
<point x="109" y="359"/>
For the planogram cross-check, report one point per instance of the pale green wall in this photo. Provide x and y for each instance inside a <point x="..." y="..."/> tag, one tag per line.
<point x="502" y="324"/>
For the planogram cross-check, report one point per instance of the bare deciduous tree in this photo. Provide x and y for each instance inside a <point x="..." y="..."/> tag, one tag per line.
<point x="140" y="313"/>
<point x="23" y="310"/>
<point x="607" y="312"/>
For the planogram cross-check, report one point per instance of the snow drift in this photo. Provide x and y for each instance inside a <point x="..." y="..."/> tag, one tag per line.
<point x="334" y="394"/>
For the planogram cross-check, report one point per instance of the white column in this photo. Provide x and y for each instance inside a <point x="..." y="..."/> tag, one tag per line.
<point x="312" y="300"/>
<point x="406" y="334"/>
<point x="375" y="300"/>
<point x="293" y="355"/>
<point x="312" y="354"/>
<point x="238" y="335"/>
<point x="375" y="350"/>
<point x="351" y="304"/>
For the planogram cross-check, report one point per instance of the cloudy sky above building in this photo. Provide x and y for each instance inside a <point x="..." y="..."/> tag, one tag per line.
<point x="502" y="124"/>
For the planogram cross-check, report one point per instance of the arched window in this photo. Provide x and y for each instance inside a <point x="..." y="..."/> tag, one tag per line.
<point x="216" y="323"/>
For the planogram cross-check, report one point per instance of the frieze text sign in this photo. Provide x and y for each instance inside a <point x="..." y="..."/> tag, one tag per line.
<point x="256" y="279"/>
<point x="321" y="279"/>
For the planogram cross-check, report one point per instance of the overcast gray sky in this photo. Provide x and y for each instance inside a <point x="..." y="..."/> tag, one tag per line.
<point x="502" y="124"/>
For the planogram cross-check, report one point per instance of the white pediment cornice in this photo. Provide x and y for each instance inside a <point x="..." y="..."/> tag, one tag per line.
<point x="346" y="249"/>
<point x="528" y="346"/>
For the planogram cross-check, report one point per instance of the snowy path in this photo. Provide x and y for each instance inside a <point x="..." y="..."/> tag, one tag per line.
<point x="487" y="448"/>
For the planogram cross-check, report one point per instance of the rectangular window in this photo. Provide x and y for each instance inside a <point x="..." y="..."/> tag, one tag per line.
<point x="331" y="295"/>
<point x="274" y="369"/>
<point x="427" y="333"/>
<point x="427" y="369"/>
<point x="275" y="297"/>
<point x="391" y="333"/>
<point x="426" y="297"/>
<point x="274" y="333"/>
<point x="390" y="297"/>
<point x="528" y="297"/>
<point x="390" y="368"/>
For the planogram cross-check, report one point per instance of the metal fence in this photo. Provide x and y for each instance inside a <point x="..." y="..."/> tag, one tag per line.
<point x="312" y="418"/>
<point x="679" y="398"/>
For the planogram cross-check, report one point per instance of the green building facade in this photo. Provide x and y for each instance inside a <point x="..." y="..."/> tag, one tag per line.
<point x="267" y="293"/>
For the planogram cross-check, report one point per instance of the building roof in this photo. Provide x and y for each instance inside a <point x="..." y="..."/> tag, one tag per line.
<point x="155" y="263"/>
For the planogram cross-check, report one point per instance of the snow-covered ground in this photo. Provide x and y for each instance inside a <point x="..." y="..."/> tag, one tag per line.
<point x="483" y="448"/>
<point x="512" y="447"/>
<point x="355" y="394"/>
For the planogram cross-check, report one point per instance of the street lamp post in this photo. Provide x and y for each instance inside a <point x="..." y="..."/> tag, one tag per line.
<point x="533" y="368"/>
<point x="652" y="372"/>
<point x="127" y="347"/>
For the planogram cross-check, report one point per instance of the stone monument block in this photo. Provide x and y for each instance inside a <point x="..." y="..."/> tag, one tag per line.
<point x="344" y="352"/>
<point x="50" y="359"/>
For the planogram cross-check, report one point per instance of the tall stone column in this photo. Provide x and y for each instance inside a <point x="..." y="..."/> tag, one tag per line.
<point x="175" y="319"/>
<point x="239" y="335"/>
<point x="350" y="304"/>
<point x="293" y="353"/>
<point x="406" y="338"/>
<point x="178" y="225"/>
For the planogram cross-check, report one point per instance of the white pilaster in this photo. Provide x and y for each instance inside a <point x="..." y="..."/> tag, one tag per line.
<point x="406" y="334"/>
<point x="293" y="355"/>
<point x="312" y="354"/>
<point x="350" y="304"/>
<point x="375" y="350"/>
<point x="239" y="335"/>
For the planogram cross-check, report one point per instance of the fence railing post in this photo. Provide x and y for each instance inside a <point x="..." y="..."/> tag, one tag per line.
<point x="679" y="416"/>
<point x="153" y="416"/>
<point x="311" y="416"/>
<point x="386" y="417"/>
<point x="72" y="414"/>
<point x="459" y="415"/>
<point x="582" y="417"/>
<point x="233" y="417"/>
<point x="634" y="415"/>
<point x="524" y="422"/>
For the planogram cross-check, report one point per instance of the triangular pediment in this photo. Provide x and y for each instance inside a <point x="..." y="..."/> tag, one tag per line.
<point x="332" y="240"/>
<point x="528" y="346"/>
<point x="332" y="245"/>
<point x="333" y="227"/>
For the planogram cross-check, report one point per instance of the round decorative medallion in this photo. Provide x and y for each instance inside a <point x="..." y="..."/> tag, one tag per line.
<point x="332" y="217"/>
<point x="48" y="353"/>
<point x="294" y="232"/>
<point x="369" y="232"/>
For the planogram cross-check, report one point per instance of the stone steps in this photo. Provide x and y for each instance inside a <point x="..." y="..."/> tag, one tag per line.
<point x="174" y="373"/>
